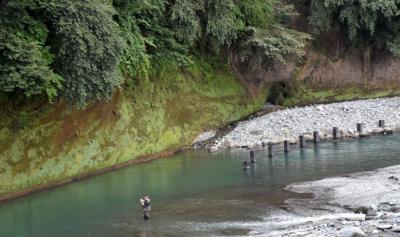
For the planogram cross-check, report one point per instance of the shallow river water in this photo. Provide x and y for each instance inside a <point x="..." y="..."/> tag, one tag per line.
<point x="194" y="193"/>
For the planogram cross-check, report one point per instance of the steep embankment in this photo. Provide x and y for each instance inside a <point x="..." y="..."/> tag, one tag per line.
<point x="327" y="77"/>
<point x="45" y="144"/>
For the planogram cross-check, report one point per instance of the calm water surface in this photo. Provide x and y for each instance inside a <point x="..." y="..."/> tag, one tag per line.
<point x="194" y="193"/>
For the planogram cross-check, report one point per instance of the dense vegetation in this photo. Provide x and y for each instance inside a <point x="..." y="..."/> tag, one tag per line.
<point x="364" y="23"/>
<point x="82" y="50"/>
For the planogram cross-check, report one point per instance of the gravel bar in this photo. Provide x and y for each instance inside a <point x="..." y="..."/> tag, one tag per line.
<point x="275" y="127"/>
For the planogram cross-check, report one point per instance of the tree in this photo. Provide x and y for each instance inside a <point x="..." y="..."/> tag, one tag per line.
<point x="25" y="61"/>
<point x="255" y="27"/>
<point x="44" y="40"/>
<point x="265" y="36"/>
<point x="365" y="23"/>
<point x="87" y="44"/>
<point x="84" y="49"/>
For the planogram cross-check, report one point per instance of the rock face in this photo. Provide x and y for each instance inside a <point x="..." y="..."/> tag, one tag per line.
<point x="325" y="72"/>
<point x="44" y="144"/>
<point x="289" y="124"/>
<point x="336" y="68"/>
<point x="352" y="232"/>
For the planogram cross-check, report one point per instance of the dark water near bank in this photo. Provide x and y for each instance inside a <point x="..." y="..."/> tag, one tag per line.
<point x="194" y="193"/>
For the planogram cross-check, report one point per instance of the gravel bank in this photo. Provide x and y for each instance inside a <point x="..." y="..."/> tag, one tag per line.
<point x="288" y="124"/>
<point x="359" y="204"/>
<point x="374" y="195"/>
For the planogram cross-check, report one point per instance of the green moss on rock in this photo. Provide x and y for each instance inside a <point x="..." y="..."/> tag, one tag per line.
<point x="165" y="114"/>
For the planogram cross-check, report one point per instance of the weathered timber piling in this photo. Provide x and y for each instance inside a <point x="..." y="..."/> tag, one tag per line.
<point x="252" y="157"/>
<point x="302" y="141"/>
<point x="335" y="132"/>
<point x="359" y="127"/>
<point x="246" y="165"/>
<point x="286" y="146"/>
<point x="269" y="150"/>
<point x="381" y="123"/>
<point x="316" y="136"/>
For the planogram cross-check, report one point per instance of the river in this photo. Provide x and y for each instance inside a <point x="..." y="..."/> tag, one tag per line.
<point x="194" y="193"/>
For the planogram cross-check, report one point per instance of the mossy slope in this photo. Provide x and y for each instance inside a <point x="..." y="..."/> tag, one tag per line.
<point x="49" y="144"/>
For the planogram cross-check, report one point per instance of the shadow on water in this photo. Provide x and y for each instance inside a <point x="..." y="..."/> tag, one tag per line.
<point x="194" y="193"/>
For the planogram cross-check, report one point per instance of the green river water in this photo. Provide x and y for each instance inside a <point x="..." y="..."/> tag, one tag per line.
<point x="194" y="193"/>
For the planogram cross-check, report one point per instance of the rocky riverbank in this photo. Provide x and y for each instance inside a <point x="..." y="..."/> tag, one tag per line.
<point x="361" y="204"/>
<point x="288" y="124"/>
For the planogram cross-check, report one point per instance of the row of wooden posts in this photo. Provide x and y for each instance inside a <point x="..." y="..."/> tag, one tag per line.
<point x="316" y="139"/>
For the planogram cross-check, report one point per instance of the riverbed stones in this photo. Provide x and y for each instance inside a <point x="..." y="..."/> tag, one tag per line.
<point x="371" y="214"/>
<point x="352" y="232"/>
<point x="377" y="130"/>
<point x="369" y="192"/>
<point x="256" y="132"/>
<point x="384" y="226"/>
<point x="395" y="228"/>
<point x="205" y="136"/>
<point x="290" y="123"/>
<point x="360" y="209"/>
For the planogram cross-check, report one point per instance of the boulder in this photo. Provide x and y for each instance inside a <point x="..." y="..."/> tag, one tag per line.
<point x="396" y="228"/>
<point x="352" y="232"/>
<point x="374" y="207"/>
<point x="383" y="226"/>
<point x="377" y="131"/>
<point x="371" y="212"/>
<point x="361" y="209"/>
<point x="364" y="134"/>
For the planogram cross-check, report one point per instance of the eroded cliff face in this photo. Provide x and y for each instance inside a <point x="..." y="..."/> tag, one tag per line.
<point x="323" y="76"/>
<point x="369" y="70"/>
<point x="46" y="144"/>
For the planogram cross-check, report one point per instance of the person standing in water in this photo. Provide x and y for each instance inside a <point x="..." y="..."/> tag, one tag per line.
<point x="146" y="207"/>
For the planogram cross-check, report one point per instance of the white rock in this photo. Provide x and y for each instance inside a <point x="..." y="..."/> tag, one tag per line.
<point x="396" y="228"/>
<point x="352" y="232"/>
<point x="383" y="226"/>
<point x="205" y="136"/>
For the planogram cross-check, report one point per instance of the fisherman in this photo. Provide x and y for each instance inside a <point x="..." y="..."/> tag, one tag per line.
<point x="146" y="207"/>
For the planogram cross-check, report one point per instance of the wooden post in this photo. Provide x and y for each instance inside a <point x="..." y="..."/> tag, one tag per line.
<point x="335" y="132"/>
<point x="302" y="141"/>
<point x="269" y="150"/>
<point x="316" y="136"/>
<point x="286" y="146"/>
<point x="359" y="127"/>
<point x="252" y="157"/>
<point x="381" y="123"/>
<point x="245" y="165"/>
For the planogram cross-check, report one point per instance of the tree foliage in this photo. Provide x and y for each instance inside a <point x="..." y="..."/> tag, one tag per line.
<point x="87" y="46"/>
<point x="366" y="23"/>
<point x="265" y="36"/>
<point x="25" y="62"/>
<point x="253" y="26"/>
<point x="84" y="49"/>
